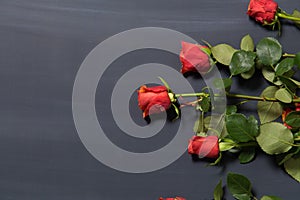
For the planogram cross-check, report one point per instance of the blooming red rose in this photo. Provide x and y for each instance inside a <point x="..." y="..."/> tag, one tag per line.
<point x="204" y="146"/>
<point x="176" y="198"/>
<point x="153" y="99"/>
<point x="194" y="58"/>
<point x="262" y="10"/>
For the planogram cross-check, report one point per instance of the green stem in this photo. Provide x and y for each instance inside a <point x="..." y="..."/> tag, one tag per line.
<point x="254" y="198"/>
<point x="201" y="94"/>
<point x="213" y="130"/>
<point x="242" y="102"/>
<point x="287" y="16"/>
<point x="248" y="144"/>
<point x="287" y="55"/>
<point x="240" y="96"/>
<point x="297" y="138"/>
<point x="236" y="96"/>
<point x="202" y="121"/>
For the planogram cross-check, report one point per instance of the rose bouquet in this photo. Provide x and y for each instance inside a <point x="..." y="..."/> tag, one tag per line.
<point x="275" y="132"/>
<point x="240" y="134"/>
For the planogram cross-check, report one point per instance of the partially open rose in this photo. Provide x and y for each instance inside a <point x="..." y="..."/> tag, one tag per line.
<point x="176" y="198"/>
<point x="153" y="99"/>
<point x="194" y="58"/>
<point x="262" y="11"/>
<point x="204" y="146"/>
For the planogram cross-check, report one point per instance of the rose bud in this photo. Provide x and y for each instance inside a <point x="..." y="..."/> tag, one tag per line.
<point x="262" y="11"/>
<point x="285" y="112"/>
<point x="176" y="198"/>
<point x="204" y="146"/>
<point x="194" y="58"/>
<point x="157" y="99"/>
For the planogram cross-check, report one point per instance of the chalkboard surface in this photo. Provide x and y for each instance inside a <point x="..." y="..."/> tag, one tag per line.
<point x="43" y="44"/>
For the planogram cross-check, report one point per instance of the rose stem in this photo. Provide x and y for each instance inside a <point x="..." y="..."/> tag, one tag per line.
<point x="237" y="96"/>
<point x="297" y="138"/>
<point x="240" y="96"/>
<point x="248" y="144"/>
<point x="287" y="16"/>
<point x="287" y="55"/>
<point x="201" y="94"/>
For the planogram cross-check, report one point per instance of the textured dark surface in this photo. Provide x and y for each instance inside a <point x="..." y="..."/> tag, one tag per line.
<point x="42" y="45"/>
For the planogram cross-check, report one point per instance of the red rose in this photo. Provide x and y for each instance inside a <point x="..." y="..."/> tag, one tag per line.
<point x="153" y="99"/>
<point x="176" y="198"/>
<point x="286" y="111"/>
<point x="204" y="146"/>
<point x="262" y="10"/>
<point x="297" y="106"/>
<point x="194" y="59"/>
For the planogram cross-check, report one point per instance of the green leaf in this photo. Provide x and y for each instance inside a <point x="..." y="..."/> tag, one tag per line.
<point x="240" y="128"/>
<point x="248" y="74"/>
<point x="283" y="95"/>
<point x="242" y="197"/>
<point x="204" y="104"/>
<point x="282" y="158"/>
<point x="223" y="53"/>
<point x="289" y="73"/>
<point x="247" y="155"/>
<point x="284" y="66"/>
<point x="289" y="83"/>
<point x="293" y="119"/>
<point x="247" y="43"/>
<point x="269" y="51"/>
<point x="231" y="109"/>
<point x="253" y="125"/>
<point x="296" y="13"/>
<point x="239" y="186"/>
<point x="292" y="167"/>
<point x="275" y="138"/>
<point x="270" y="198"/>
<point x="297" y="60"/>
<point x="218" y="191"/>
<point x="297" y="83"/>
<point x="242" y="61"/>
<point x="269" y="75"/>
<point x="268" y="111"/>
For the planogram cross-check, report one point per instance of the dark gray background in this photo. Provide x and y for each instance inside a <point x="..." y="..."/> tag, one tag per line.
<point x="43" y="44"/>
